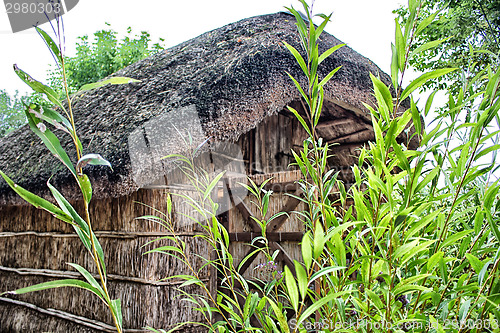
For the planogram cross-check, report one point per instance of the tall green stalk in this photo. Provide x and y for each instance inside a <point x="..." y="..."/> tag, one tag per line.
<point x="40" y="119"/>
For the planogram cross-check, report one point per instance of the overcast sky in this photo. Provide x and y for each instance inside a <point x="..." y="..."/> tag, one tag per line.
<point x="365" y="25"/>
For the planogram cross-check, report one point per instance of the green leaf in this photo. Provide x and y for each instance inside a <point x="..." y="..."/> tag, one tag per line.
<point x="49" y="139"/>
<point x="324" y="271"/>
<point x="405" y="288"/>
<point x="430" y="176"/>
<point x="301" y="278"/>
<point x="116" y="307"/>
<point x="428" y="45"/>
<point x="92" y="159"/>
<point x="36" y="201"/>
<point x="375" y="299"/>
<point x="328" y="52"/>
<point x="429" y="101"/>
<point x="252" y="304"/>
<point x="403" y="160"/>
<point x="112" y="80"/>
<point x="321" y="27"/>
<point x="317" y="305"/>
<point x="298" y="57"/>
<point x="191" y="281"/>
<point x="166" y="248"/>
<point x="306" y="248"/>
<point x="476" y="264"/>
<point x="422" y="79"/>
<point x="85" y="187"/>
<point x="443" y="270"/>
<point x="212" y="184"/>
<point x="82" y="228"/>
<point x="379" y="137"/>
<point x="291" y="286"/>
<point x="486" y="151"/>
<point x="451" y="240"/>
<point x="329" y="76"/>
<point x="434" y="260"/>
<point x="53" y="117"/>
<point x="90" y="279"/>
<point x="436" y="325"/>
<point x="415" y="115"/>
<point x="432" y="134"/>
<point x="300" y="25"/>
<point x="300" y="119"/>
<point x="400" y="46"/>
<point x="68" y="209"/>
<point x="58" y="284"/>
<point x="425" y="22"/>
<point x="339" y="249"/>
<point x="319" y="240"/>
<point x="299" y="88"/>
<point x="493" y="226"/>
<point x="464" y="309"/>
<point x="394" y="66"/>
<point x="50" y="43"/>
<point x="483" y="272"/>
<point x="404" y="249"/>
<point x="38" y="87"/>
<point x="384" y="97"/>
<point x="100" y="253"/>
<point x="415" y="250"/>
<point x="279" y="315"/>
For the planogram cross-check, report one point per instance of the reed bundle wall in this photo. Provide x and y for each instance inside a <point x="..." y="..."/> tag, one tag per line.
<point x="38" y="247"/>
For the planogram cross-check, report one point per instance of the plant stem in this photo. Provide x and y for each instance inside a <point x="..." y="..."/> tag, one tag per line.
<point x="71" y="118"/>
<point x="99" y="268"/>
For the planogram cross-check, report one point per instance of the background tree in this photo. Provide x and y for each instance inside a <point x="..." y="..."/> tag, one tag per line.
<point x="471" y="30"/>
<point x="103" y="56"/>
<point x="95" y="59"/>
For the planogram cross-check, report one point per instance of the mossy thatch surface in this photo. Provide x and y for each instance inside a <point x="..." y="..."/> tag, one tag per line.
<point x="234" y="76"/>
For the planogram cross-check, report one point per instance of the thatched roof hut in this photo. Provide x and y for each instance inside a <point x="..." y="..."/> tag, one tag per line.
<point x="229" y="85"/>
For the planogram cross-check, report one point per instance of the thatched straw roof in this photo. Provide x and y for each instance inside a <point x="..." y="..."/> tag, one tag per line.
<point x="233" y="77"/>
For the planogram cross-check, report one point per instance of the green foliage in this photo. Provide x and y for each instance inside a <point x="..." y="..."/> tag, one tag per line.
<point x="11" y="112"/>
<point x="464" y="34"/>
<point x="41" y="118"/>
<point x="102" y="56"/>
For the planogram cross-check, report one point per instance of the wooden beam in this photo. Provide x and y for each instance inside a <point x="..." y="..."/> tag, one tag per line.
<point x="99" y="234"/>
<point x="292" y="203"/>
<point x="350" y="145"/>
<point x="83" y="321"/>
<point x="76" y="275"/>
<point x="282" y="255"/>
<point x="359" y="136"/>
<point x="249" y="261"/>
<point x="290" y="186"/>
<point x="245" y="212"/>
<point x="335" y="122"/>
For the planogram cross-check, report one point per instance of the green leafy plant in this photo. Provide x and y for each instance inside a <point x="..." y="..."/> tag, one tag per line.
<point x="470" y="35"/>
<point x="60" y="116"/>
<point x="418" y="248"/>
